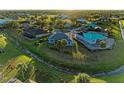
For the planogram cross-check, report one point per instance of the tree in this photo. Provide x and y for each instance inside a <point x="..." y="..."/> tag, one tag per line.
<point x="25" y="71"/>
<point x="82" y="78"/>
<point x="63" y="43"/>
<point x="102" y="44"/>
<point x="58" y="44"/>
<point x="19" y="33"/>
<point x="3" y="43"/>
<point x="12" y="25"/>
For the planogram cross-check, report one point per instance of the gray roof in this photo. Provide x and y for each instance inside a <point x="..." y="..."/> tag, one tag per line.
<point x="34" y="31"/>
<point x="59" y="36"/>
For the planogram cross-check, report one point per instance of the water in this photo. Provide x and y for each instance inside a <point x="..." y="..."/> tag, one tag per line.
<point x="3" y="21"/>
<point x="92" y="37"/>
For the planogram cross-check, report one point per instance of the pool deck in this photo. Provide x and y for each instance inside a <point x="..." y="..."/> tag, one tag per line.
<point x="109" y="43"/>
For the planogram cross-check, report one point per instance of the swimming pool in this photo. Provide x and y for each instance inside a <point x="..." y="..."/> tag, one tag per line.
<point x="92" y="37"/>
<point x="3" y="21"/>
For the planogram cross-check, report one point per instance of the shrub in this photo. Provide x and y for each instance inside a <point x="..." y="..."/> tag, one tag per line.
<point x="102" y="44"/>
<point x="82" y="78"/>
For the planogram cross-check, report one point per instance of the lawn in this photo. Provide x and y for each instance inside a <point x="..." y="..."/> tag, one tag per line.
<point x="97" y="61"/>
<point x="7" y="73"/>
<point x="44" y="74"/>
<point x="113" y="79"/>
<point x="10" y="52"/>
<point x="94" y="62"/>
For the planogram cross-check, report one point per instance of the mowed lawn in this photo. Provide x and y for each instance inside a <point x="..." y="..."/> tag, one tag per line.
<point x="10" y="52"/>
<point x="44" y="74"/>
<point x="7" y="73"/>
<point x="113" y="79"/>
<point x="117" y="78"/>
<point x="95" y="62"/>
<point x="98" y="61"/>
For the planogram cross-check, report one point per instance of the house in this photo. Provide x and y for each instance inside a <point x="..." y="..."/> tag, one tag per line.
<point x="59" y="36"/>
<point x="25" y="25"/>
<point x="93" y="25"/>
<point x="67" y="25"/>
<point x="104" y="19"/>
<point x="34" y="33"/>
<point x="115" y="17"/>
<point x="64" y="17"/>
<point x="81" y="20"/>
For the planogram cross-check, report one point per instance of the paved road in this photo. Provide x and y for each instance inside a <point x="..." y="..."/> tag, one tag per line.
<point x="122" y="30"/>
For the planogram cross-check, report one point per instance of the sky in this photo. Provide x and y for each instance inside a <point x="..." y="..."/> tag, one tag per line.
<point x="62" y="4"/>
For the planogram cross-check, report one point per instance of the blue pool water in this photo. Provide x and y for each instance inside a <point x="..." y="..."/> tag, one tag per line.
<point x="92" y="37"/>
<point x="3" y="21"/>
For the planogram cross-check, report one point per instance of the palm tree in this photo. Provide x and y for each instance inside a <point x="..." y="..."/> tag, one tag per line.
<point x="63" y="43"/>
<point x="12" y="25"/>
<point x="22" y="68"/>
<point x="82" y="78"/>
<point x="19" y="35"/>
<point x="58" y="44"/>
<point x="25" y="71"/>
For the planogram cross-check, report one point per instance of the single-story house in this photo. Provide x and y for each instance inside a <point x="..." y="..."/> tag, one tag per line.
<point x="64" y="16"/>
<point x="81" y="20"/>
<point x="104" y="19"/>
<point x="25" y="25"/>
<point x="115" y="16"/>
<point x="34" y="33"/>
<point x="59" y="36"/>
<point x="67" y="25"/>
<point x="92" y="25"/>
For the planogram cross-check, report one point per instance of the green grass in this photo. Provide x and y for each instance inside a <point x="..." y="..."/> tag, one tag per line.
<point x="113" y="79"/>
<point x="99" y="61"/>
<point x="10" y="52"/>
<point x="50" y="75"/>
<point x="122" y="22"/>
<point x="96" y="80"/>
<point x="44" y="74"/>
<point x="7" y="73"/>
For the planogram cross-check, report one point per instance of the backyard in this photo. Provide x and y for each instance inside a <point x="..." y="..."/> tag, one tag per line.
<point x="92" y="62"/>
